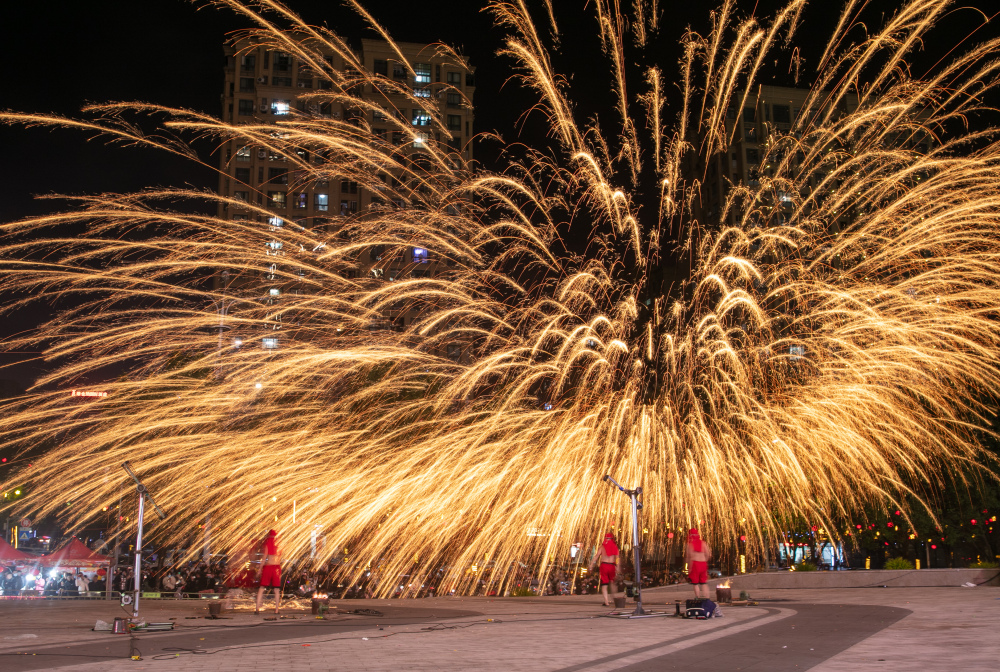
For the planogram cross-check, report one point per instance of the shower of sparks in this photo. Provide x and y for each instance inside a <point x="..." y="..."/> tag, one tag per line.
<point x="830" y="347"/>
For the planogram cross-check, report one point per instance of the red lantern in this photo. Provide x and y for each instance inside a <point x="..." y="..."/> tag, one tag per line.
<point x="670" y="535"/>
<point x="889" y="525"/>
<point x="814" y="528"/>
<point x="933" y="545"/>
<point x="743" y="537"/>
<point x="858" y="526"/>
<point x="973" y="521"/>
<point x="897" y="513"/>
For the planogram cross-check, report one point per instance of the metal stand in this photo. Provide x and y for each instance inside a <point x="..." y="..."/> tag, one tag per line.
<point x="636" y="506"/>
<point x="143" y="494"/>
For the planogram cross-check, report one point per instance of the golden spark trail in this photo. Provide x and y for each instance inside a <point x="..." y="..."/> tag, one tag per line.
<point x="832" y="341"/>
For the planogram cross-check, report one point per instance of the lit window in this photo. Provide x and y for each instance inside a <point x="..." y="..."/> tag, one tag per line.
<point x="422" y="73"/>
<point x="419" y="255"/>
<point x="237" y="342"/>
<point x="301" y="201"/>
<point x="269" y="343"/>
<point x="273" y="245"/>
<point x="421" y="118"/>
<point x="276" y="199"/>
<point x="797" y="352"/>
<point x="420" y="141"/>
<point x="281" y="106"/>
<point x="322" y="201"/>
<point x="276" y="222"/>
<point x="422" y="92"/>
<point x="243" y="154"/>
<point x="274" y="291"/>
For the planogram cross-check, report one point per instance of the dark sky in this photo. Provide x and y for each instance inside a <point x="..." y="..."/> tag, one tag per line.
<point x="62" y="55"/>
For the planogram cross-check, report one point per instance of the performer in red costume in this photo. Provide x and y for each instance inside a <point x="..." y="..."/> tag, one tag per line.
<point x="607" y="553"/>
<point x="697" y="553"/>
<point x="270" y="574"/>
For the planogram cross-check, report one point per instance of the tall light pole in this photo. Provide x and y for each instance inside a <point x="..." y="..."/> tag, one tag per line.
<point x="634" y="495"/>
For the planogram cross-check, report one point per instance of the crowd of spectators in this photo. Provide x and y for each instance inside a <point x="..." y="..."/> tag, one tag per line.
<point x="163" y="573"/>
<point x="65" y="583"/>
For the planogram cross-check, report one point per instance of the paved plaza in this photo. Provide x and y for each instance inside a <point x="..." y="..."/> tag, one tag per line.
<point x="826" y="630"/>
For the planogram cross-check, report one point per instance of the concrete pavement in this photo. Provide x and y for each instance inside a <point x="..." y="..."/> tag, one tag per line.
<point x="823" y="630"/>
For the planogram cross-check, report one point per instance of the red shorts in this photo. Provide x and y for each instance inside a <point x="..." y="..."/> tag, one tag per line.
<point x="270" y="576"/>
<point x="608" y="571"/>
<point x="698" y="573"/>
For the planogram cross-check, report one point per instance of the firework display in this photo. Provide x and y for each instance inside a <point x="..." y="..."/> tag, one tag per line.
<point x="821" y="339"/>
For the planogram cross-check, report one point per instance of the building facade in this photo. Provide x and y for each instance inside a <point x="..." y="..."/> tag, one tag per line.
<point x="264" y="87"/>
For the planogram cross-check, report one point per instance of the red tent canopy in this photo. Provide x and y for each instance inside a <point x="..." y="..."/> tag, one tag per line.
<point x="9" y="554"/>
<point x="74" y="553"/>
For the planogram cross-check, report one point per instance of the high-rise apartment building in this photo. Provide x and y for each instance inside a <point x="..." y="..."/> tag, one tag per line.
<point x="264" y="86"/>
<point x="769" y="111"/>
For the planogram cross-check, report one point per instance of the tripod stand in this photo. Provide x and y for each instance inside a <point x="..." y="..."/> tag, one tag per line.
<point x="634" y="495"/>
<point x="143" y="494"/>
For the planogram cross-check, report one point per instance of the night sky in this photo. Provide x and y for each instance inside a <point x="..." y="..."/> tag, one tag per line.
<point x="62" y="55"/>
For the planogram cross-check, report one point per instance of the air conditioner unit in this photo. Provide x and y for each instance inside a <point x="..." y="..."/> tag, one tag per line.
<point x="261" y="153"/>
<point x="262" y="80"/>
<point x="335" y="115"/>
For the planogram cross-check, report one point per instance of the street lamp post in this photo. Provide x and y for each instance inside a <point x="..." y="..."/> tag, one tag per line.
<point x="634" y="495"/>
